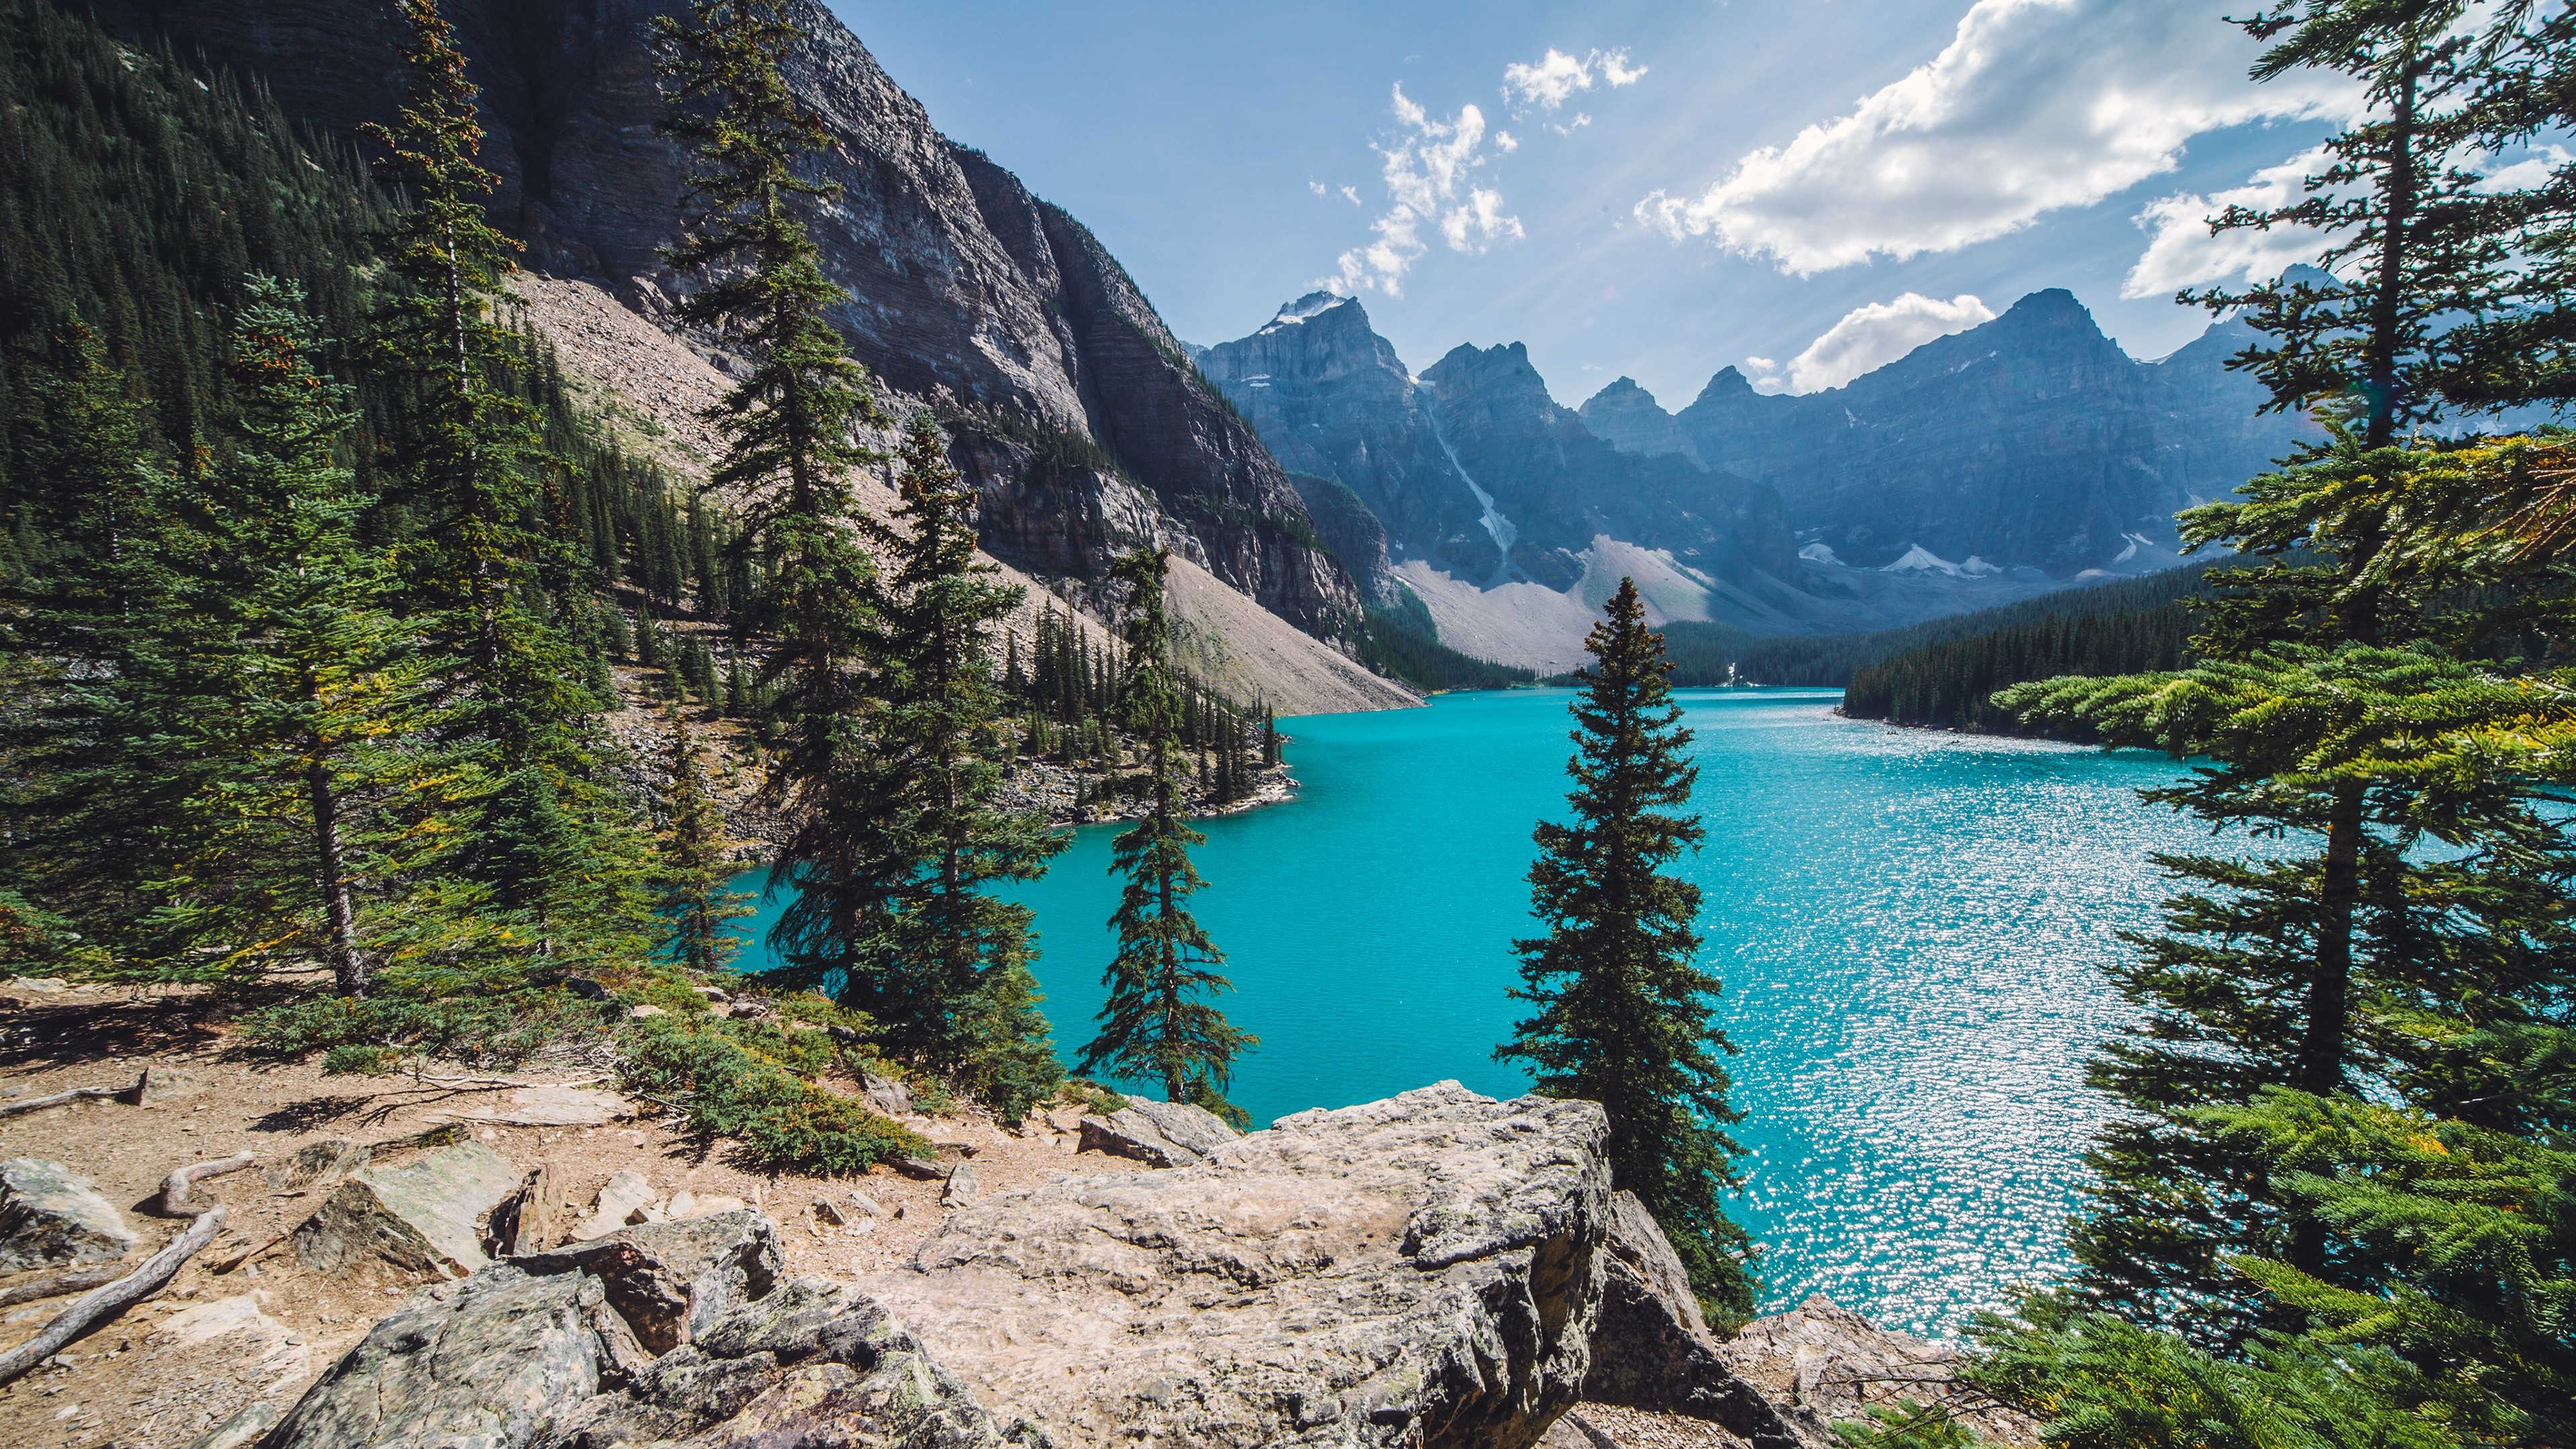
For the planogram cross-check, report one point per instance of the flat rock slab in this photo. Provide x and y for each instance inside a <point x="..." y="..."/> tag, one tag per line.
<point x="1422" y="1271"/>
<point x="419" y="1219"/>
<point x="1821" y="1364"/>
<point x="549" y="1107"/>
<point x="52" y="1217"/>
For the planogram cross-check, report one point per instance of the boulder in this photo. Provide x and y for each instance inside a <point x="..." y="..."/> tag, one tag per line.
<point x="486" y="1363"/>
<point x="1162" y="1134"/>
<point x="1652" y="1350"/>
<point x="328" y="1160"/>
<point x="1418" y="1271"/>
<point x="52" y="1217"/>
<point x="421" y="1219"/>
<point x="962" y="1187"/>
<point x="668" y="1280"/>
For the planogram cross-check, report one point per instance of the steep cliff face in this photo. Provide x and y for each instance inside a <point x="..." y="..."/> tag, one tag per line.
<point x="1074" y="409"/>
<point x="1556" y="487"/>
<point x="1333" y="400"/>
<point x="2031" y="440"/>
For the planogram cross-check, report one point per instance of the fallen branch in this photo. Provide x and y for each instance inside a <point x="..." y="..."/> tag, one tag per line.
<point x="58" y="1284"/>
<point x="133" y="1093"/>
<point x="172" y="1202"/>
<point x="99" y="1303"/>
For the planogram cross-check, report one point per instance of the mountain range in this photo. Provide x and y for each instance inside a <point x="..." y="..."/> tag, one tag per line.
<point x="2018" y="457"/>
<point x="1305" y="472"/>
<point x="1066" y="398"/>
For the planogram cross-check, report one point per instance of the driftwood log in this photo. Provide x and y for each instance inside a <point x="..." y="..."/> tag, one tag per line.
<point x="86" y="1312"/>
<point x="173" y="1201"/>
<point x="132" y="1094"/>
<point x="55" y="1285"/>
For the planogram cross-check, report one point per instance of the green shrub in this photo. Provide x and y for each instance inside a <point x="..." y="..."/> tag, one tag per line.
<point x="749" y="1081"/>
<point x="1091" y="1094"/>
<point x="377" y="1034"/>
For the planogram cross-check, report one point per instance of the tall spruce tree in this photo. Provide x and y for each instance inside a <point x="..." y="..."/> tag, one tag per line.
<point x="1621" y="1003"/>
<point x="1157" y="1023"/>
<point x="534" y="833"/>
<point x="696" y="860"/>
<point x="283" y="672"/>
<point x="951" y="987"/>
<point x="790" y="430"/>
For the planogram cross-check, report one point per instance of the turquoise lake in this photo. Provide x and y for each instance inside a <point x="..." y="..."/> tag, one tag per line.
<point x="1909" y="926"/>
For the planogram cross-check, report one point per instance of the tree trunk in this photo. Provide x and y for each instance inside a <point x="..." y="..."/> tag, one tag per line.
<point x="2321" y="1054"/>
<point x="340" y="943"/>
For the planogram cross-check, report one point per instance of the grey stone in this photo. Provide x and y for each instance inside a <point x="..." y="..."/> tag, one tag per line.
<point x="1419" y="1271"/>
<point x="420" y="1219"/>
<point x="1186" y="1123"/>
<point x="52" y="1217"/>
<point x="962" y="1187"/>
<point x="620" y="1199"/>
<point x="482" y="1364"/>
<point x="669" y="1280"/>
<point x="328" y="1160"/>
<point x="889" y="1096"/>
<point x="866" y="1204"/>
<point x="814" y="1364"/>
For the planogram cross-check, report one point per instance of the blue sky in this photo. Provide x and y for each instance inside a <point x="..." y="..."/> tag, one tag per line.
<point x="1658" y="190"/>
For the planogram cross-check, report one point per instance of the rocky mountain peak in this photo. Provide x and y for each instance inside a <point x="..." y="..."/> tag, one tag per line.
<point x="1343" y="311"/>
<point x="1629" y="417"/>
<point x="1071" y="405"/>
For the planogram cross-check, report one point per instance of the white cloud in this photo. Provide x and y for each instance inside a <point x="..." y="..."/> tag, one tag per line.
<point x="1316" y="187"/>
<point x="2181" y="252"/>
<point x="1429" y="181"/>
<point x="2033" y="106"/>
<point x="1507" y="141"/>
<point x="1351" y="194"/>
<point x="1870" y="337"/>
<point x="1557" y="76"/>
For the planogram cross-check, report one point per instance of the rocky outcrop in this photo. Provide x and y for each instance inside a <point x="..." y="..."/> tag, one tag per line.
<point x="1069" y="402"/>
<point x="1421" y="1272"/>
<point x="52" y="1217"/>
<point x="1418" y="1271"/>
<point x="1628" y="417"/>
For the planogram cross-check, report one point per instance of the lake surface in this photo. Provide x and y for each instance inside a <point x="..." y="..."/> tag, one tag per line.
<point x="1909" y="927"/>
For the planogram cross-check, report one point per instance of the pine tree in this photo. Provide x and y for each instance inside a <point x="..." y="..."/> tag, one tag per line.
<point x="284" y="615"/>
<point x="790" y="444"/>
<point x="696" y="858"/>
<point x="1156" y="1023"/>
<point x="1622" y="1005"/>
<point x="532" y="826"/>
<point x="952" y="988"/>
